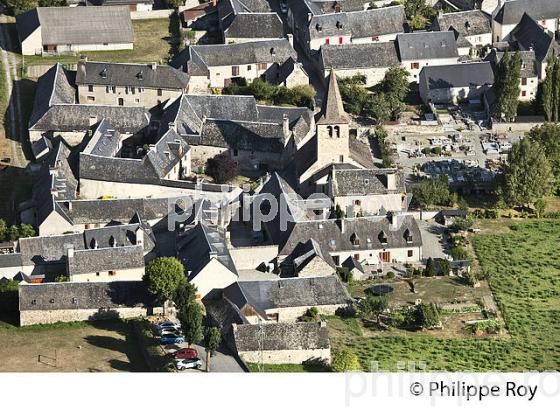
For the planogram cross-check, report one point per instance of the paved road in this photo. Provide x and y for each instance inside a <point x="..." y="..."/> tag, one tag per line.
<point x="15" y="124"/>
<point x="223" y="360"/>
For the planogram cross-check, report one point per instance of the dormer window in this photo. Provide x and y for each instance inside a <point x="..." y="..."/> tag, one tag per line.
<point x="333" y="242"/>
<point x="408" y="236"/>
<point x="272" y="51"/>
<point x="355" y="240"/>
<point x="339" y="25"/>
<point x="103" y="73"/>
<point x="140" y="75"/>
<point x="318" y="27"/>
<point x="382" y="238"/>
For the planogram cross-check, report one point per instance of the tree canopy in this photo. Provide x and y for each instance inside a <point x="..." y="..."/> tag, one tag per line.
<point x="163" y="276"/>
<point x="432" y="192"/>
<point x="222" y="168"/>
<point x="345" y="361"/>
<point x="506" y="87"/>
<point x="190" y="316"/>
<point x="418" y="13"/>
<point x="551" y="90"/>
<point x="548" y="137"/>
<point x="528" y="175"/>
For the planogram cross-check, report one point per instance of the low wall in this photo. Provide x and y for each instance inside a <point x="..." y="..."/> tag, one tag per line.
<point x="503" y="127"/>
<point x="41" y="317"/>
<point x="152" y="14"/>
<point x="285" y="356"/>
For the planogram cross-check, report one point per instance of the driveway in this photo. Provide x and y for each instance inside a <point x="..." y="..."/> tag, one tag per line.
<point x="223" y="360"/>
<point x="433" y="240"/>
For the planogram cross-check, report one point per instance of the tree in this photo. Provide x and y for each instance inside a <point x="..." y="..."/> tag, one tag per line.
<point x="184" y="294"/>
<point x="12" y="234"/>
<point x="26" y="231"/>
<point x="445" y="267"/>
<point x="3" y="229"/>
<point x="212" y="339"/>
<point x="540" y="206"/>
<point x="506" y="87"/>
<point x="549" y="91"/>
<point x="462" y="224"/>
<point x="376" y="106"/>
<point x="374" y="306"/>
<point x="430" y="268"/>
<point x="528" y="175"/>
<point x="190" y="317"/>
<point x="222" y="168"/>
<point x="353" y="94"/>
<point x="175" y="4"/>
<point x="427" y="316"/>
<point x="418" y="13"/>
<point x="432" y="192"/>
<point x="345" y="361"/>
<point x="62" y="278"/>
<point x="163" y="276"/>
<point x="394" y="87"/>
<point x="548" y="137"/>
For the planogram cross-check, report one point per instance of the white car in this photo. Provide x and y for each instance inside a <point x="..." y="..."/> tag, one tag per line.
<point x="167" y="327"/>
<point x="184" y="364"/>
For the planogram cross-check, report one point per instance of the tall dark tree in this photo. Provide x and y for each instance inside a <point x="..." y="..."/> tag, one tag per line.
<point x="548" y="137"/>
<point x="528" y="175"/>
<point x="506" y="87"/>
<point x="184" y="294"/>
<point x="549" y="92"/>
<point x="190" y="316"/>
<point x="222" y="168"/>
<point x="212" y="340"/>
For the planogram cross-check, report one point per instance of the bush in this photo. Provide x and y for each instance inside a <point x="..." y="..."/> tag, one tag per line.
<point x="427" y="316"/>
<point x="345" y="361"/>
<point x="222" y="168"/>
<point x="459" y="253"/>
<point x="390" y="275"/>
<point x="311" y="315"/>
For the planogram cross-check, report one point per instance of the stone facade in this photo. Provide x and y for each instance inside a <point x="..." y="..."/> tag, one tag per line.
<point x="286" y="356"/>
<point x="128" y="96"/>
<point x="41" y="317"/>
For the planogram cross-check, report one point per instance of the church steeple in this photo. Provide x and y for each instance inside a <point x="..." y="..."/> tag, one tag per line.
<point x="333" y="109"/>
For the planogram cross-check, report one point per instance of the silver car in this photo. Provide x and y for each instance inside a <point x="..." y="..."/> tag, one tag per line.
<point x="183" y="364"/>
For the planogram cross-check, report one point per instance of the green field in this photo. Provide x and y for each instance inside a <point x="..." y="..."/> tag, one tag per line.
<point x="151" y="44"/>
<point x="523" y="267"/>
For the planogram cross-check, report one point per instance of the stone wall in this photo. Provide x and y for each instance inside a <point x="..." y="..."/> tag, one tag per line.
<point x="36" y="317"/>
<point x="285" y="356"/>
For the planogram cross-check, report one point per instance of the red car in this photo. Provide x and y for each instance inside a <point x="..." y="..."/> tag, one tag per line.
<point x="186" y="353"/>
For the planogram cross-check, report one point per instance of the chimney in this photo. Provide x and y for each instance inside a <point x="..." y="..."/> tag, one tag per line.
<point x="69" y="205"/>
<point x="291" y="39"/>
<point x="393" y="218"/>
<point x="213" y="254"/>
<point x="70" y="251"/>
<point x="82" y="65"/>
<point x="173" y="126"/>
<point x="92" y="120"/>
<point x="153" y="66"/>
<point x="286" y="125"/>
<point x="341" y="225"/>
<point x="309" y="16"/>
<point x="391" y="180"/>
<point x="139" y="236"/>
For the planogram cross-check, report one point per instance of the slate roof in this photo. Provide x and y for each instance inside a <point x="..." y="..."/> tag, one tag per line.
<point x="83" y="295"/>
<point x="358" y="24"/>
<point x="287" y="293"/>
<point x="350" y="263"/>
<point x="78" y="25"/>
<point x="306" y="252"/>
<point x="353" y="56"/>
<point x="105" y="141"/>
<point x="529" y="35"/>
<point x="361" y="153"/>
<point x="333" y="109"/>
<point x="249" y="19"/>
<point x="328" y="233"/>
<point x="271" y="51"/>
<point x="48" y="249"/>
<point x="427" y="45"/>
<point x="282" y="336"/>
<point x="528" y="59"/>
<point x="512" y="11"/>
<point x="201" y="244"/>
<point x="106" y="259"/>
<point x="133" y="75"/>
<point x="457" y="75"/>
<point x="347" y="182"/>
<point x="467" y="23"/>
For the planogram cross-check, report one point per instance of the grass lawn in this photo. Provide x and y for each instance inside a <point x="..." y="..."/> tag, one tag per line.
<point x="287" y="368"/>
<point x="523" y="267"/>
<point x="151" y="44"/>
<point x="80" y="347"/>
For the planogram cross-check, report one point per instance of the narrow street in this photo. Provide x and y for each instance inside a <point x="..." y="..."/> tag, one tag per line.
<point x="14" y="127"/>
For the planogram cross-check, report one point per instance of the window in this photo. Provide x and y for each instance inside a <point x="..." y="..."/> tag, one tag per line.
<point x="327" y="41"/>
<point x="414" y="66"/>
<point x="523" y="81"/>
<point x="90" y="88"/>
<point x="337" y="131"/>
<point x="133" y="90"/>
<point x="90" y="98"/>
<point x="333" y="242"/>
<point x="235" y="153"/>
<point x="357" y="256"/>
<point x="249" y="68"/>
<point x="34" y="302"/>
<point x="341" y="158"/>
<point x="105" y="44"/>
<point x="336" y="260"/>
<point x="410" y="253"/>
<point x="112" y="273"/>
<point x="137" y="100"/>
<point x="126" y="90"/>
<point x="96" y="273"/>
<point x="120" y="101"/>
<point x="235" y="70"/>
<point x="375" y="38"/>
<point x="262" y="66"/>
<point x="523" y="93"/>
<point x="107" y="89"/>
<point x="357" y="202"/>
<point x="159" y="92"/>
<point x="114" y="89"/>
<point x="340" y="40"/>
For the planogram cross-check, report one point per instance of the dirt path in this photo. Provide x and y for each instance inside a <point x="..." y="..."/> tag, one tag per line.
<point x="15" y="129"/>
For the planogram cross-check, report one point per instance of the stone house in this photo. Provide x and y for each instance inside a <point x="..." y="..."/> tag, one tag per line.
<point x="475" y="26"/>
<point x="60" y="30"/>
<point x="308" y="259"/>
<point x="315" y="24"/>
<point x="136" y="85"/>
<point x="419" y="50"/>
<point x="242" y="21"/>
<point x="367" y="191"/>
<point x="69" y="301"/>
<point x="284" y="342"/>
<point x="370" y="59"/>
<point x="455" y="83"/>
<point x="285" y="300"/>
<point x="217" y="66"/>
<point x="529" y="81"/>
<point x="509" y="14"/>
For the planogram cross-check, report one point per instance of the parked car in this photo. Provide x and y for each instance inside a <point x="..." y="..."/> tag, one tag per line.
<point x="188" y="364"/>
<point x="170" y="338"/>
<point x="167" y="327"/>
<point x="186" y="353"/>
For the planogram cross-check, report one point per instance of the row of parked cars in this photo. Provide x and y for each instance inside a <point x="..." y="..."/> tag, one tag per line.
<point x="184" y="358"/>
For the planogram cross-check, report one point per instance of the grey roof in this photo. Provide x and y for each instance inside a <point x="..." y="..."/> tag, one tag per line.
<point x="361" y="153"/>
<point x="427" y="45"/>
<point x="105" y="141"/>
<point x="10" y="260"/>
<point x="251" y="25"/>
<point x="512" y="11"/>
<point x="49" y="249"/>
<point x="529" y="35"/>
<point x="133" y="75"/>
<point x="282" y="336"/>
<point x="333" y="109"/>
<point x="106" y="259"/>
<point x="78" y="25"/>
<point x="457" y="75"/>
<point x="353" y="56"/>
<point x="358" y="24"/>
<point x="347" y="182"/>
<point x="306" y="252"/>
<point x="369" y="230"/>
<point x="286" y="293"/>
<point x="271" y="51"/>
<point x="79" y="117"/>
<point x="83" y="295"/>
<point x="199" y="246"/>
<point x="529" y="67"/>
<point x="468" y="23"/>
<point x="351" y="263"/>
